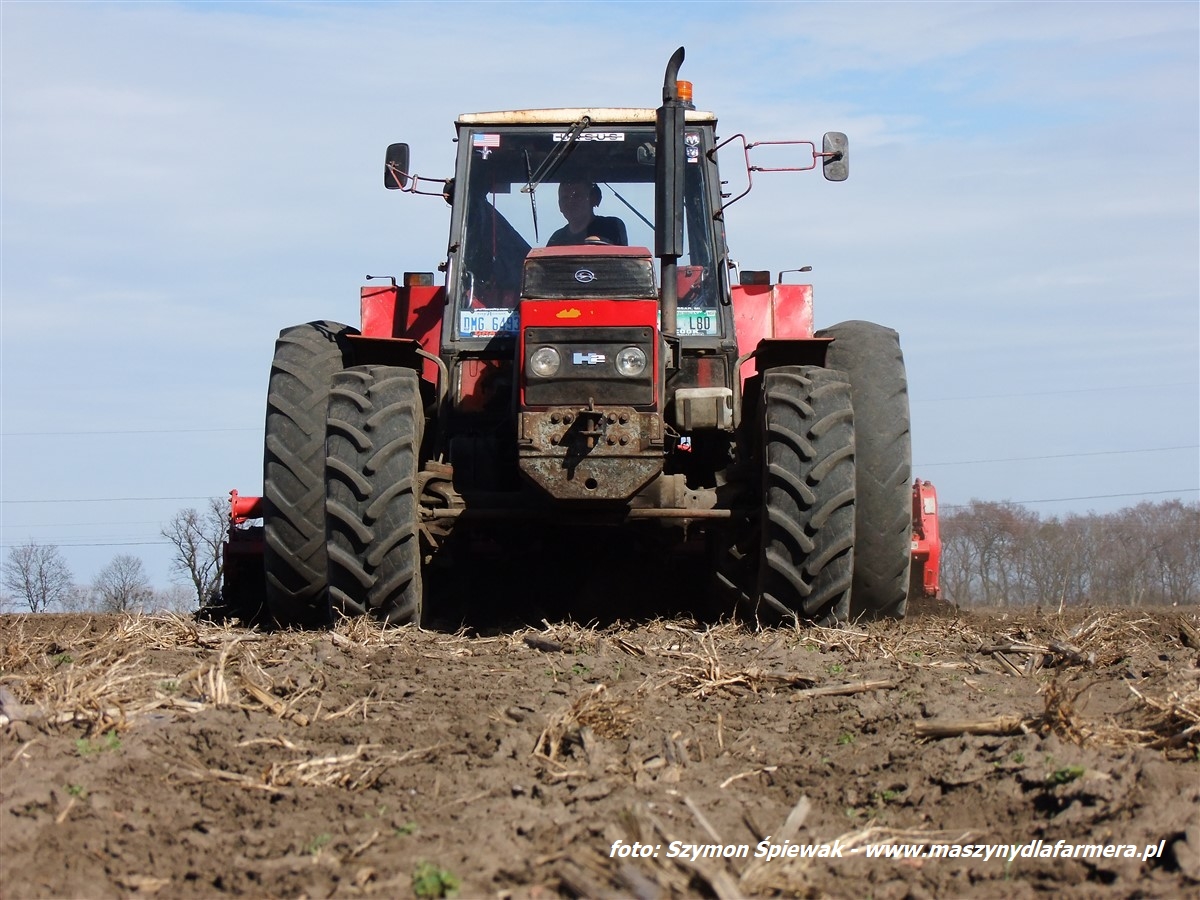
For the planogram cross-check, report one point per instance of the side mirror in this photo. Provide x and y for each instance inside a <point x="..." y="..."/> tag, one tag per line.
<point x="835" y="158"/>
<point x="395" y="167"/>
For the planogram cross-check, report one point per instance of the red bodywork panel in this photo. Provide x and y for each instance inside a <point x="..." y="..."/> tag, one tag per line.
<point x="590" y="314"/>
<point x="926" y="539"/>
<point x="243" y="538"/>
<point x="415" y="313"/>
<point x="771" y="312"/>
<point x="584" y="313"/>
<point x="243" y="509"/>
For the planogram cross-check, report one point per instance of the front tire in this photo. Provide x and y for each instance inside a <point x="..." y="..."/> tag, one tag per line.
<point x="306" y="358"/>
<point x="870" y="355"/>
<point x="374" y="432"/>
<point x="807" y="553"/>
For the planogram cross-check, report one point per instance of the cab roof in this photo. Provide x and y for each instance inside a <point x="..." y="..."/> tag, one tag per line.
<point x="599" y="115"/>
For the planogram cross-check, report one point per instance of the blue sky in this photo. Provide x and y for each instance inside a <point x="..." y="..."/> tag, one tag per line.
<point x="179" y="181"/>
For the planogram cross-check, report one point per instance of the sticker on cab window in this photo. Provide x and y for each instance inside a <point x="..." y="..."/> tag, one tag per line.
<point x="586" y="136"/>
<point x="484" y="144"/>
<point x="480" y="323"/>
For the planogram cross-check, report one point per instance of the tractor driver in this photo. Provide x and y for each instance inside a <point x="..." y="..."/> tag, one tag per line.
<point x="577" y="201"/>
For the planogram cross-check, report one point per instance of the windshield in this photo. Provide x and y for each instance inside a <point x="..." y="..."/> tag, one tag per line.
<point x="530" y="188"/>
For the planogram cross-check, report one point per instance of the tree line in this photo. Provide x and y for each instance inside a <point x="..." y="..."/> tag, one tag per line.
<point x="1003" y="554"/>
<point x="36" y="577"/>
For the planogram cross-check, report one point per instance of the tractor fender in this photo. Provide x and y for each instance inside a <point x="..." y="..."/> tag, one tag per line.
<point x="771" y="353"/>
<point x="404" y="353"/>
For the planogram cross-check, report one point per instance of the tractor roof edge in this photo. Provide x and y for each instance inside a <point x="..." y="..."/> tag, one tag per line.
<point x="599" y="116"/>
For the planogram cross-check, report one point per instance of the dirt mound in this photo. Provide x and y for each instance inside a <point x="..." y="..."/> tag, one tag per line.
<point x="155" y="756"/>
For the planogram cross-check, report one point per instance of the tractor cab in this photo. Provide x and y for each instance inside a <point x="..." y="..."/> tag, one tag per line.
<point x="566" y="179"/>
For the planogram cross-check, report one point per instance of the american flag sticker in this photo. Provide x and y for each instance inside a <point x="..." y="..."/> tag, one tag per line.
<point x="485" y="140"/>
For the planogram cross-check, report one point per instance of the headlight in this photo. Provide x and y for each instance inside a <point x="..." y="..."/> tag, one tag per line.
<point x="631" y="362"/>
<point x="544" y="361"/>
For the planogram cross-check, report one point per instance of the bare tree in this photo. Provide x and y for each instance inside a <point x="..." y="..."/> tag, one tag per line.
<point x="996" y="553"/>
<point x="80" y="598"/>
<point x="175" y="599"/>
<point x="122" y="585"/>
<point x="1172" y="542"/>
<point x="959" y="557"/>
<point x="37" y="575"/>
<point x="982" y="551"/>
<point x="197" y="537"/>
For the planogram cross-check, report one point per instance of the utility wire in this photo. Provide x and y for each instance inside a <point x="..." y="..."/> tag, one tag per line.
<point x="944" y="506"/>
<point x="93" y="524"/>
<point x="106" y="500"/>
<point x="965" y="462"/>
<point x="1106" y="389"/>
<point x="972" y="462"/>
<point x="1066" y="499"/>
<point x="9" y="544"/>
<point x="122" y="431"/>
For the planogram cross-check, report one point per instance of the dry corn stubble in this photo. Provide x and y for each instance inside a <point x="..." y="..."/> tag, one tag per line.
<point x="385" y="745"/>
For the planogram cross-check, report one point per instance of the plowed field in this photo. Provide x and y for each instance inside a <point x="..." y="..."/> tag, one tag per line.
<point x="148" y="756"/>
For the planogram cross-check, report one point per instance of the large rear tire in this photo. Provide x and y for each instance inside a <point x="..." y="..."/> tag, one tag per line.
<point x="374" y="433"/>
<point x="807" y="553"/>
<point x="870" y="355"/>
<point x="306" y="358"/>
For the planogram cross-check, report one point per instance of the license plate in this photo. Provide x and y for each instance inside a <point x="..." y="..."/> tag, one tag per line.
<point x="487" y="322"/>
<point x="696" y="322"/>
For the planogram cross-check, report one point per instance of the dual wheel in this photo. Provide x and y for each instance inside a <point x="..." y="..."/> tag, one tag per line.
<point x="340" y="469"/>
<point x="836" y="525"/>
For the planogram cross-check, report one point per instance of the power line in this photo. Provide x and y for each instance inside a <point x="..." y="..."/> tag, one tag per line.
<point x="965" y="462"/>
<point x="972" y="462"/>
<point x="91" y="524"/>
<point x="1107" y="389"/>
<point x="122" y="431"/>
<point x="1066" y="499"/>
<point x="9" y="544"/>
<point x="5" y="545"/>
<point x="108" y="500"/>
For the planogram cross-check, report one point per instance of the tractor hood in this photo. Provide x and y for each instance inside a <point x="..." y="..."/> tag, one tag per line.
<point x="588" y="271"/>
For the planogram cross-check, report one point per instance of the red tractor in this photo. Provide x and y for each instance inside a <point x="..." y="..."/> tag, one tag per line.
<point x="557" y="383"/>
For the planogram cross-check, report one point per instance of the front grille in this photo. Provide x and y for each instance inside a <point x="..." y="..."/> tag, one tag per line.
<point x="588" y="277"/>
<point x="588" y="369"/>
